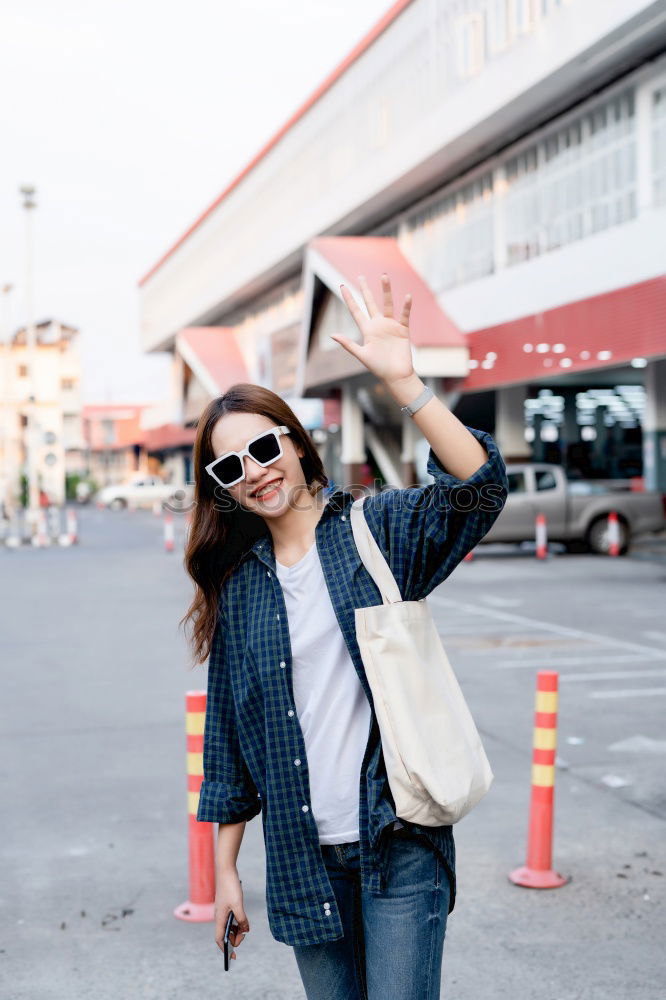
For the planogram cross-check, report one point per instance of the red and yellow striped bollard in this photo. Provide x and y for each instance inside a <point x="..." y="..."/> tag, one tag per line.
<point x="537" y="873"/>
<point x="200" y="907"/>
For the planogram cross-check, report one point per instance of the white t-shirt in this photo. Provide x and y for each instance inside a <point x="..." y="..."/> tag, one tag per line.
<point x="331" y="705"/>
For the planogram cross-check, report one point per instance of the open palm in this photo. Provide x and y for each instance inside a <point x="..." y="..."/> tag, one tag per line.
<point x="386" y="348"/>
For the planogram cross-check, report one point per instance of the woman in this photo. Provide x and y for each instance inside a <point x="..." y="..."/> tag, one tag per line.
<point x="290" y="727"/>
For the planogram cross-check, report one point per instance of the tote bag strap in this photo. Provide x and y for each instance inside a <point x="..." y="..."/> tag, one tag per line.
<point x="371" y="555"/>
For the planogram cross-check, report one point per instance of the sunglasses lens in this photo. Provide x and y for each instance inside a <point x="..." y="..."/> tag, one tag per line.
<point x="265" y="449"/>
<point x="229" y="469"/>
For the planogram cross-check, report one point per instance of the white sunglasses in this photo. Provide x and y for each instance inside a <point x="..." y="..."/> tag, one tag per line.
<point x="263" y="448"/>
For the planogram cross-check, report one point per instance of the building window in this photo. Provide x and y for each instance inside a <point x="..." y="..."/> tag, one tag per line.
<point x="548" y="6"/>
<point x="522" y="12"/>
<point x="522" y="206"/>
<point x="498" y="16"/>
<point x="577" y="181"/>
<point x="108" y="431"/>
<point x="469" y="45"/>
<point x="67" y="384"/>
<point x="659" y="145"/>
<point x="451" y="241"/>
<point x="71" y="427"/>
<point x="22" y="371"/>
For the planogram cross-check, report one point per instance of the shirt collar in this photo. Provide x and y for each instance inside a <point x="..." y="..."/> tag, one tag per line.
<point x="336" y="503"/>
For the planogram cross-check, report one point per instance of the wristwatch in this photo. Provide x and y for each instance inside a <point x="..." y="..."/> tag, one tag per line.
<point x="423" y="397"/>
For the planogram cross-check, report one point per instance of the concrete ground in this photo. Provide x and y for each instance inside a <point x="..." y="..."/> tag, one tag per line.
<point x="94" y="846"/>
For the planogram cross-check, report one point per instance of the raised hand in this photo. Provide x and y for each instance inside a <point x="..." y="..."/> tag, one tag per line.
<point x="386" y="348"/>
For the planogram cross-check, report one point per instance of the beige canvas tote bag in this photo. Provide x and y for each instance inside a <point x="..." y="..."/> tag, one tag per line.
<point x="435" y="762"/>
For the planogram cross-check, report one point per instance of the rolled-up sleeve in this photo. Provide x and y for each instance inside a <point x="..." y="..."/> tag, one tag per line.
<point x="228" y="794"/>
<point x="424" y="532"/>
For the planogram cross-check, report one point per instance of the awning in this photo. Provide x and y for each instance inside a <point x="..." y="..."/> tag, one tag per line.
<point x="439" y="346"/>
<point x="213" y="354"/>
<point x="167" y="437"/>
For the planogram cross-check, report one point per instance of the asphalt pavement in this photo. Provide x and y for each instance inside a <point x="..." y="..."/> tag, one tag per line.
<point x="94" y="845"/>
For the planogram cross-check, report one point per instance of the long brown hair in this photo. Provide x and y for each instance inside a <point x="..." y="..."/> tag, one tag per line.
<point x="218" y="537"/>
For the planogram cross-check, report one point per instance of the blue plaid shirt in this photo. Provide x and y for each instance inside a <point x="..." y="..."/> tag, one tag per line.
<point x="252" y="734"/>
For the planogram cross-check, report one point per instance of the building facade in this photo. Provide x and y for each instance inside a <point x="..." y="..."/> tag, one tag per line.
<point x="113" y="437"/>
<point x="124" y="438"/>
<point x="504" y="161"/>
<point x="53" y="377"/>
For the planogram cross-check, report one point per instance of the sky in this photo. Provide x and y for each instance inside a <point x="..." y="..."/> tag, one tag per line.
<point x="129" y="118"/>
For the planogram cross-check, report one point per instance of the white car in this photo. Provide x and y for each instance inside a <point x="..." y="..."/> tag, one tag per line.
<point x="143" y="490"/>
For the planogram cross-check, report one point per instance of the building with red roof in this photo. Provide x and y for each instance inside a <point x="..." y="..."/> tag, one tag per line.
<point x="505" y="163"/>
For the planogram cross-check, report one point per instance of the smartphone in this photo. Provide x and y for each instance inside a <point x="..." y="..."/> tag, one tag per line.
<point x="228" y="946"/>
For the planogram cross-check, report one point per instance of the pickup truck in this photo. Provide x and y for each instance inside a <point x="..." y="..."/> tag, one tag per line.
<point x="576" y="510"/>
<point x="143" y="490"/>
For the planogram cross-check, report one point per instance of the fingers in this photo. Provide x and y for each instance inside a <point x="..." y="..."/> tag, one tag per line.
<point x="370" y="303"/>
<point x="237" y="931"/>
<point x="388" y="297"/>
<point x="349" y="345"/>
<point x="404" y="317"/>
<point x="356" y="313"/>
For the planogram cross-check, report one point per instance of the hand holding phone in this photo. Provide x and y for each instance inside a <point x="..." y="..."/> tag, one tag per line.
<point x="231" y="928"/>
<point x="231" y="923"/>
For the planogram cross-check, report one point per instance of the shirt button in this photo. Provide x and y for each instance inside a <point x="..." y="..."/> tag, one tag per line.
<point x="278" y="617"/>
<point x="344" y="517"/>
<point x="297" y="761"/>
<point x="305" y="808"/>
<point x="290" y="712"/>
<point x="282" y="663"/>
<point x="268" y="572"/>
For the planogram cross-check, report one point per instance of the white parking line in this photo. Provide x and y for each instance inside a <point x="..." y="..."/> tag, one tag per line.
<point x="571" y="661"/>
<point x="473" y="628"/>
<point x="535" y="623"/>
<point x="628" y="693"/>
<point x="655" y="636"/>
<point x="502" y="602"/>
<point x="612" y="675"/>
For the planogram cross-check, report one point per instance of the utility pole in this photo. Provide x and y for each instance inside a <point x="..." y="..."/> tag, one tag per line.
<point x="28" y="192"/>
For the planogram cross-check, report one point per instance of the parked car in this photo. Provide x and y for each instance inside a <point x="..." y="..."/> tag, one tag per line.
<point x="576" y="511"/>
<point x="143" y="490"/>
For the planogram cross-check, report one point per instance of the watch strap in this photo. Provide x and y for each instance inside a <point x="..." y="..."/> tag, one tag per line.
<point x="416" y="404"/>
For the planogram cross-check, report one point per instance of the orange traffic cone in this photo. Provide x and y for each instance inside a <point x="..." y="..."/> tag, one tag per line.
<point x="200" y="907"/>
<point x="541" y="536"/>
<point x="613" y="534"/>
<point x="537" y="873"/>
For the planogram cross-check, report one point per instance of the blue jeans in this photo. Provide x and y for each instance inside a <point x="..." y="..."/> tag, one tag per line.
<point x="393" y="940"/>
